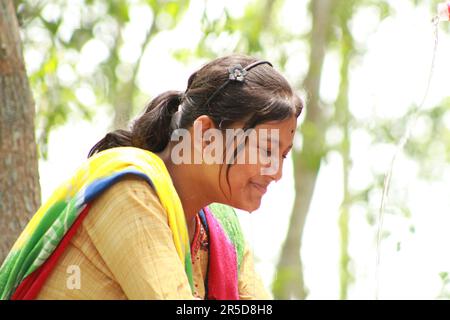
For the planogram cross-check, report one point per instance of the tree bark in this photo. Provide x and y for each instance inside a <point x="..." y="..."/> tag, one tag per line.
<point x="289" y="282"/>
<point x="19" y="176"/>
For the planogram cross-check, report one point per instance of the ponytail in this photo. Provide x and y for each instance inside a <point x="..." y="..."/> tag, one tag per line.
<point x="117" y="138"/>
<point x="151" y="131"/>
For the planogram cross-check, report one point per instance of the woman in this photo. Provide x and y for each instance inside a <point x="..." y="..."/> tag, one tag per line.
<point x="149" y="215"/>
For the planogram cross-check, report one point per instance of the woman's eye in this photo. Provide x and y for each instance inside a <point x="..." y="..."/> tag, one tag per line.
<point x="267" y="152"/>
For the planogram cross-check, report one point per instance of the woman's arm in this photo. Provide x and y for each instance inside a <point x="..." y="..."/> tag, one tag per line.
<point x="129" y="228"/>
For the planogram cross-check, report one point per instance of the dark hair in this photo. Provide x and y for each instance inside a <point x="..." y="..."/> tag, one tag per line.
<point x="264" y="96"/>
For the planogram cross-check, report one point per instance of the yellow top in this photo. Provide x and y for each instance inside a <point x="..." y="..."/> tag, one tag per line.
<point x="124" y="249"/>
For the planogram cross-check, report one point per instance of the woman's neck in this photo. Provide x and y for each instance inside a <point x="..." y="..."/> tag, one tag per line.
<point x="187" y="180"/>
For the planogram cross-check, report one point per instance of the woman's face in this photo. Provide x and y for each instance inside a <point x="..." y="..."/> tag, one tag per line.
<point x="258" y="164"/>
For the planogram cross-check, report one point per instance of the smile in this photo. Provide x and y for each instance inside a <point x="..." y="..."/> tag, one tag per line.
<point x="259" y="187"/>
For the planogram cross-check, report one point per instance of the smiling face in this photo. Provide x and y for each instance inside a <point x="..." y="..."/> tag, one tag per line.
<point x="248" y="182"/>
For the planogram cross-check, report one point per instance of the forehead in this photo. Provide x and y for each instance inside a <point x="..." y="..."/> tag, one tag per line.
<point x="286" y="129"/>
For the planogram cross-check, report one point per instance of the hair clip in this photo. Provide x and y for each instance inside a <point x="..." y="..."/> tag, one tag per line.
<point x="237" y="73"/>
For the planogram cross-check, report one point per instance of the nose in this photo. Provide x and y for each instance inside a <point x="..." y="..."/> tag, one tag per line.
<point x="279" y="173"/>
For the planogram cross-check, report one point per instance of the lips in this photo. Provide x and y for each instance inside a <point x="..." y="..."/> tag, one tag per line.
<point x="261" y="188"/>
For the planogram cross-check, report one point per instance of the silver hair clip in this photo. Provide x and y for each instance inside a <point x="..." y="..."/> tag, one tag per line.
<point x="237" y="73"/>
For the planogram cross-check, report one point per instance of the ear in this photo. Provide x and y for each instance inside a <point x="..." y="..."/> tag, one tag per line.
<point x="201" y="125"/>
<point x="206" y="122"/>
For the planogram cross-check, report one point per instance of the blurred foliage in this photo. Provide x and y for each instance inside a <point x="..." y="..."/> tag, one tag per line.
<point x="58" y="35"/>
<point x="445" y="289"/>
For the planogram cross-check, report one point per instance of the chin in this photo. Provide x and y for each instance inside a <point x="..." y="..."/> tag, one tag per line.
<point x="249" y="206"/>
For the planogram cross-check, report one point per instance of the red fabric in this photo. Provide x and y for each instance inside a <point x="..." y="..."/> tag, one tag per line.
<point x="29" y="288"/>
<point x="222" y="269"/>
<point x="196" y="241"/>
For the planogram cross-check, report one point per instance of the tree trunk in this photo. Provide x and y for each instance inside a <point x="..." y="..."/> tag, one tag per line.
<point x="19" y="177"/>
<point x="288" y="282"/>
<point x="343" y="118"/>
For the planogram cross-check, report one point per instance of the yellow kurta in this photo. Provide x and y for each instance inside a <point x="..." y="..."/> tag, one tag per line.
<point x="124" y="250"/>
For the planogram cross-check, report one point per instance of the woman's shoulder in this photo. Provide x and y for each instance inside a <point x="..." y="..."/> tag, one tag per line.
<point x="130" y="186"/>
<point x="130" y="196"/>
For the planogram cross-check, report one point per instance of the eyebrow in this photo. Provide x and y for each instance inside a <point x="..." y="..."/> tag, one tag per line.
<point x="289" y="147"/>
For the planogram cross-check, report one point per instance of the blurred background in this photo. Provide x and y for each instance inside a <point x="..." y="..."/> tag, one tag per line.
<point x="361" y="65"/>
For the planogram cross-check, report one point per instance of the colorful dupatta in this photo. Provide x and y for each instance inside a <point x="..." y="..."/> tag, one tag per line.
<point x="44" y="239"/>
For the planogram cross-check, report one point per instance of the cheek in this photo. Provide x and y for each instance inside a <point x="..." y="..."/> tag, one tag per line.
<point x="243" y="194"/>
<point x="239" y="176"/>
